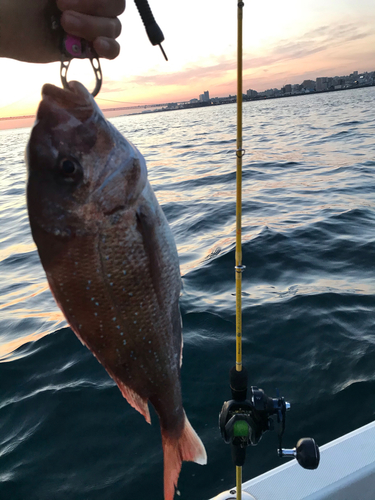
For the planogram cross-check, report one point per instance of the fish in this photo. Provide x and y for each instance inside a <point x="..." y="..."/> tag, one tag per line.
<point x="110" y="259"/>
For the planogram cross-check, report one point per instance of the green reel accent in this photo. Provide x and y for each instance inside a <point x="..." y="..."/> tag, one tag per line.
<point x="240" y="429"/>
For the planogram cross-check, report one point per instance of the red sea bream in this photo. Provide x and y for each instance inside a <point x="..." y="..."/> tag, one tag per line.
<point x="110" y="259"/>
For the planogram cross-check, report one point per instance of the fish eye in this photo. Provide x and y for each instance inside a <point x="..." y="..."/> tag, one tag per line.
<point x="67" y="167"/>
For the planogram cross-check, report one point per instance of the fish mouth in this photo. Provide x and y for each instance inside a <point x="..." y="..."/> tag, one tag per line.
<point x="76" y="100"/>
<point x="75" y="94"/>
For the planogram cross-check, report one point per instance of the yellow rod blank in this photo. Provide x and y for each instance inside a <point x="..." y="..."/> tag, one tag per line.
<point x="238" y="482"/>
<point x="239" y="268"/>
<point x="239" y="153"/>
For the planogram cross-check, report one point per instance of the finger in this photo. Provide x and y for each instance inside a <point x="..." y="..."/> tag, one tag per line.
<point x="90" y="27"/>
<point x="100" y="8"/>
<point x="106" y="47"/>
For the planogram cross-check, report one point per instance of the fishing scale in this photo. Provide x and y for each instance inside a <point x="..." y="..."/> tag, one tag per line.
<point x="73" y="47"/>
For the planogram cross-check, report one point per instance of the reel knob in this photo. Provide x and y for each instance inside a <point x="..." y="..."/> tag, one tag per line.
<point x="307" y="453"/>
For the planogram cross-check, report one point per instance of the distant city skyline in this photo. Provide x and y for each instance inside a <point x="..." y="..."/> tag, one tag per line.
<point x="321" y="84"/>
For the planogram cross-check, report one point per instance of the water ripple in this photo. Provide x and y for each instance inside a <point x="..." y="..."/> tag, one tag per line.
<point x="308" y="298"/>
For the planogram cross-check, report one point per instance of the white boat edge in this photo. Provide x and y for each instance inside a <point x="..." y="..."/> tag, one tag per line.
<point x="346" y="472"/>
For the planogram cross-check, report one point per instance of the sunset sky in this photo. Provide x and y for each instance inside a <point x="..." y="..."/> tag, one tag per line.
<point x="284" y="42"/>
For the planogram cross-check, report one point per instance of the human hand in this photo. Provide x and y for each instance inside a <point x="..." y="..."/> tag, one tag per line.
<point x="27" y="34"/>
<point x="95" y="21"/>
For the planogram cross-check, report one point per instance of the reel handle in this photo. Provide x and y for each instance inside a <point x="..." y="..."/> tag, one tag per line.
<point x="306" y="452"/>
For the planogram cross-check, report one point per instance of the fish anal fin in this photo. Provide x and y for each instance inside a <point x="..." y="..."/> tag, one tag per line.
<point x="134" y="399"/>
<point x="187" y="447"/>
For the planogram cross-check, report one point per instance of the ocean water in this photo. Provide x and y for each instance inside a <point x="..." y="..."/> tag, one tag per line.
<point x="308" y="300"/>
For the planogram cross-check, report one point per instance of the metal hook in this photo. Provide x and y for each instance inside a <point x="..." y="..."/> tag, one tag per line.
<point x="74" y="47"/>
<point x="98" y="75"/>
<point x="95" y="63"/>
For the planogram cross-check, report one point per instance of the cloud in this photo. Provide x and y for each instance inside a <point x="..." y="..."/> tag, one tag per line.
<point x="314" y="41"/>
<point x="188" y="75"/>
<point x="220" y="73"/>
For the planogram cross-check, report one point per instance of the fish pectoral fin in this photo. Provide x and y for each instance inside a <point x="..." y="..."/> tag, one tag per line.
<point x="134" y="399"/>
<point x="187" y="447"/>
<point x="146" y="227"/>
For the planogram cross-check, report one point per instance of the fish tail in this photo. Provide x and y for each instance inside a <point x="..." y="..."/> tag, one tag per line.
<point x="187" y="447"/>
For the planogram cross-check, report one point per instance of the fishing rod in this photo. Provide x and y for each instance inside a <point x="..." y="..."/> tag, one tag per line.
<point x="243" y="420"/>
<point x="73" y="47"/>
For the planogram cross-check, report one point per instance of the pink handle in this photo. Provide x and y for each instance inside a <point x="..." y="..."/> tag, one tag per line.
<point x="73" y="46"/>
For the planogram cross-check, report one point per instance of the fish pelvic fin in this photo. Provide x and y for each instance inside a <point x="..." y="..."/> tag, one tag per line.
<point x="187" y="447"/>
<point x="134" y="400"/>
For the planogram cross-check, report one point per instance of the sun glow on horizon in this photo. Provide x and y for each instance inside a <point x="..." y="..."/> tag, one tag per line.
<point x="282" y="44"/>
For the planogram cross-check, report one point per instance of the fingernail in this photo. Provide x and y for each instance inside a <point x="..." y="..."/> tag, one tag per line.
<point x="104" y="46"/>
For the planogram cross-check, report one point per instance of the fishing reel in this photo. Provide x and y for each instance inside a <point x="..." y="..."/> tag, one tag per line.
<point x="243" y="422"/>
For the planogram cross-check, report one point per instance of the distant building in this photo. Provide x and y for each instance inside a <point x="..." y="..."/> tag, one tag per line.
<point x="330" y="84"/>
<point x="251" y="93"/>
<point x="287" y="89"/>
<point x="205" y="97"/>
<point x="308" y="84"/>
<point x="321" y="83"/>
<point x="193" y="101"/>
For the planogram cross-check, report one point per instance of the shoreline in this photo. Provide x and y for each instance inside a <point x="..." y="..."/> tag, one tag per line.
<point x="247" y="99"/>
<point x="186" y="105"/>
